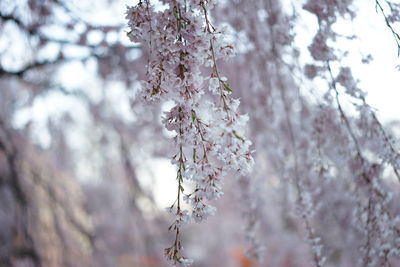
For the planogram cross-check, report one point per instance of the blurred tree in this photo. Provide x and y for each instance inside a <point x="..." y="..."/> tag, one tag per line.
<point x="43" y="222"/>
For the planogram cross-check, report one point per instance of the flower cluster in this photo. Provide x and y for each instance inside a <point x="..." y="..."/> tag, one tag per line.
<point x="207" y="125"/>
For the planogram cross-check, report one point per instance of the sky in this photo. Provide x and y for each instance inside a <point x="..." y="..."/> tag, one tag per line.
<point x="381" y="78"/>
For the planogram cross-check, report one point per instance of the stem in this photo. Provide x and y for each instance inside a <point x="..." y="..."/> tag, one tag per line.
<point x="210" y="29"/>
<point x="395" y="34"/>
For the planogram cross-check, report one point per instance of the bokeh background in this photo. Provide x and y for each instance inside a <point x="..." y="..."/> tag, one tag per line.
<point x="85" y="174"/>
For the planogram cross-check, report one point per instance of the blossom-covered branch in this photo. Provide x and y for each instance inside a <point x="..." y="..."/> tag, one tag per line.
<point x="208" y="128"/>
